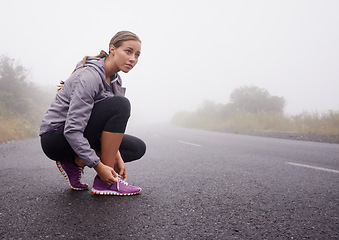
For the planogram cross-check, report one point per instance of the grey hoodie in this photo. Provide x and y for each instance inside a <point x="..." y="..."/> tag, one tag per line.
<point x="73" y="105"/>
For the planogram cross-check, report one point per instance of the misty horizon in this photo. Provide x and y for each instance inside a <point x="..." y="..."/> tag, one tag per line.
<point x="192" y="51"/>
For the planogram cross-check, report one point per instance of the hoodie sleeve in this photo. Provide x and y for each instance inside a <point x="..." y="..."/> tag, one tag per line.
<point x="80" y="108"/>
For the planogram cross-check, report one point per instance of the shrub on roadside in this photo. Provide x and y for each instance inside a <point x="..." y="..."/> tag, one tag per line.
<point x="306" y="123"/>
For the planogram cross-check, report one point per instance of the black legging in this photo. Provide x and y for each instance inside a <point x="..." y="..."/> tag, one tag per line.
<point x="109" y="115"/>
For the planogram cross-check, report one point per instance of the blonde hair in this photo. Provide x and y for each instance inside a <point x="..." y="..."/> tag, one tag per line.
<point x="116" y="41"/>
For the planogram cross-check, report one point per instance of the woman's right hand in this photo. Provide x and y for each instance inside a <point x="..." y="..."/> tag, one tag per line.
<point x="106" y="173"/>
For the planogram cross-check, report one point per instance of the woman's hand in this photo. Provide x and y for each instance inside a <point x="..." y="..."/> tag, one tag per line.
<point x="106" y="173"/>
<point x="120" y="167"/>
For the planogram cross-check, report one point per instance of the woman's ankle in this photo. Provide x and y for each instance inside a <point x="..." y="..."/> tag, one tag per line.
<point x="78" y="161"/>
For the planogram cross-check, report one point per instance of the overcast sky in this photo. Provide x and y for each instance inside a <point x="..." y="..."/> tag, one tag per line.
<point x="192" y="50"/>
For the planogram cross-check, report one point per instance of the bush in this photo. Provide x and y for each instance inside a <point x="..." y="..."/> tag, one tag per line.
<point x="223" y="117"/>
<point x="22" y="104"/>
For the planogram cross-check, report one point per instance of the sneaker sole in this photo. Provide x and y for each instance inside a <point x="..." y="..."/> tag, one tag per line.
<point x="107" y="193"/>
<point x="67" y="179"/>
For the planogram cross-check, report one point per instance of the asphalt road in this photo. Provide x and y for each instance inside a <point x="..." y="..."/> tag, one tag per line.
<point x="196" y="185"/>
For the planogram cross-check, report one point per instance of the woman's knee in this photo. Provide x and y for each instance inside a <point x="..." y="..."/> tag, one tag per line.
<point x="114" y="104"/>
<point x="122" y="104"/>
<point x="132" y="148"/>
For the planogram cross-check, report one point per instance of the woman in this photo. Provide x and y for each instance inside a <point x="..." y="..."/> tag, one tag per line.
<point x="86" y="122"/>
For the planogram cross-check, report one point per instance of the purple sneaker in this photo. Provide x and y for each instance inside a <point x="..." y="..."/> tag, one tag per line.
<point x="72" y="174"/>
<point x="121" y="188"/>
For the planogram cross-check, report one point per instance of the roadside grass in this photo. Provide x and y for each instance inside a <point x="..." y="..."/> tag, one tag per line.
<point x="304" y="123"/>
<point x="13" y="129"/>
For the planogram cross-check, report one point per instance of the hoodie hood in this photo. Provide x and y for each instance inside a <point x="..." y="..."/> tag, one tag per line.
<point x="97" y="63"/>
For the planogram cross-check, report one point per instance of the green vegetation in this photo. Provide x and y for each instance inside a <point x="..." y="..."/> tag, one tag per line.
<point x="253" y="109"/>
<point x="22" y="104"/>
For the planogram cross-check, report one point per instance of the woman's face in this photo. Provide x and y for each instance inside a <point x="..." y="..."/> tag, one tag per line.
<point x="126" y="56"/>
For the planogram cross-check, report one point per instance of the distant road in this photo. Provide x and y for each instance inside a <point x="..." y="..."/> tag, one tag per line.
<point x="196" y="185"/>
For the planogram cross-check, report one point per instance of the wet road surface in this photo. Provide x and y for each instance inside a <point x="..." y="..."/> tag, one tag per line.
<point x="196" y="185"/>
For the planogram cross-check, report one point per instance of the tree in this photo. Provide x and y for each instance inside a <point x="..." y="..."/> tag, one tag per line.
<point x="14" y="91"/>
<point x="256" y="100"/>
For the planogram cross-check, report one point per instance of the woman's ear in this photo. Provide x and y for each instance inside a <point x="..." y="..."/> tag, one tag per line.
<point x="112" y="49"/>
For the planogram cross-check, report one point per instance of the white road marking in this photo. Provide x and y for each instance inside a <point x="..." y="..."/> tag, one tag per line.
<point x="188" y="143"/>
<point x="313" y="167"/>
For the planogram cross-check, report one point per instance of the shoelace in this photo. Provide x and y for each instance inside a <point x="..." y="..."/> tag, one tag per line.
<point x="120" y="180"/>
<point x="81" y="172"/>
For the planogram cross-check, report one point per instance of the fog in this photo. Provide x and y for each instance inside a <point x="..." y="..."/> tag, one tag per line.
<point x="191" y="50"/>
